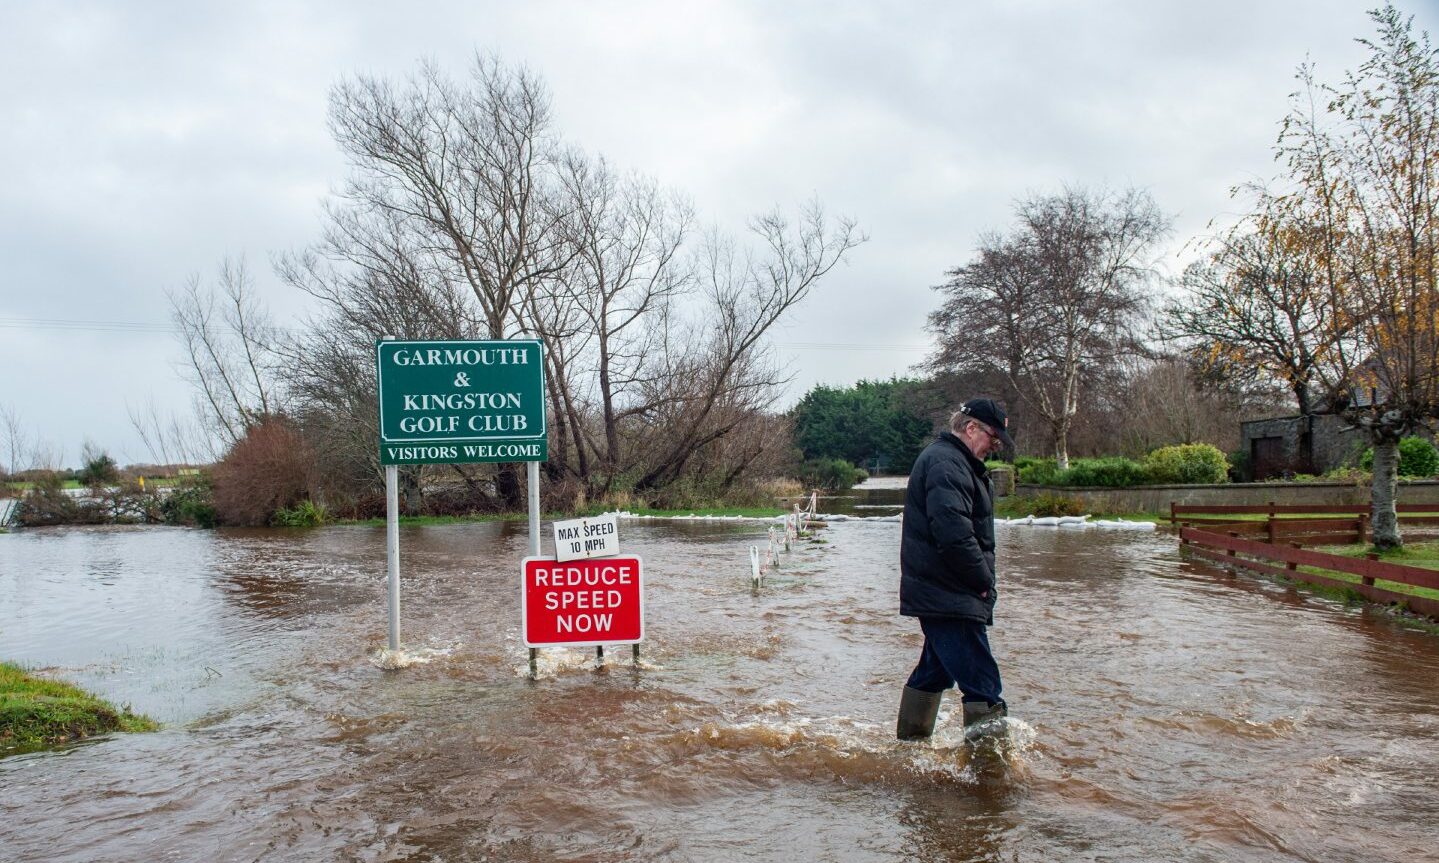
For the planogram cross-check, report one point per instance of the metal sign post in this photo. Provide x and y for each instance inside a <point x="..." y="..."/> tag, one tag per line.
<point x="534" y="481"/>
<point x="392" y="549"/>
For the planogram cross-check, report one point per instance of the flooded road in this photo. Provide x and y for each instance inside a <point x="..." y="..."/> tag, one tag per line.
<point x="1169" y="711"/>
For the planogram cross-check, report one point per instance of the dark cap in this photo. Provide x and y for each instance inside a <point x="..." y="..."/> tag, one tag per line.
<point x="991" y="414"/>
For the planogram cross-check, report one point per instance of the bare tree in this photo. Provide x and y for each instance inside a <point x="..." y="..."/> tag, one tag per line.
<point x="170" y="440"/>
<point x="1167" y="401"/>
<point x="12" y="429"/>
<point x="628" y="237"/>
<point x="554" y="315"/>
<point x="370" y="282"/>
<point x="229" y="349"/>
<point x="705" y="385"/>
<point x="464" y="173"/>
<point x="990" y="320"/>
<point x="45" y="455"/>
<point x="464" y="218"/>
<point x="1055" y="302"/>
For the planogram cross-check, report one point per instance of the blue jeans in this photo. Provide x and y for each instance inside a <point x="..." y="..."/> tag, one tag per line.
<point x="956" y="653"/>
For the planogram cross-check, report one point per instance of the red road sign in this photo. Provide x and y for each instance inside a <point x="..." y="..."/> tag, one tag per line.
<point x="582" y="602"/>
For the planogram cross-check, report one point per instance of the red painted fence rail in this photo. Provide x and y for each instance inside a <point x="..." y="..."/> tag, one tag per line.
<point x="1329" y="527"/>
<point x="1225" y="545"/>
<point x="1302" y="508"/>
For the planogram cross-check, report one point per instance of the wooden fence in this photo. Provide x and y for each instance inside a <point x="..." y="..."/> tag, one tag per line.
<point x="1156" y="498"/>
<point x="1226" y="544"/>
<point x="1417" y="512"/>
<point x="1284" y="522"/>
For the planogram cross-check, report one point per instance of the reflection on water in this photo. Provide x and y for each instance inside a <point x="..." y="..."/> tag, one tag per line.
<point x="1163" y="710"/>
<point x="876" y="496"/>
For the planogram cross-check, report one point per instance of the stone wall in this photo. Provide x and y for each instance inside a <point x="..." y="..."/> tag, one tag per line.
<point x="1335" y="443"/>
<point x="1156" y="498"/>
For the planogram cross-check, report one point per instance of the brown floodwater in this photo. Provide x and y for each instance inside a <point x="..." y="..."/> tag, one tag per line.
<point x="1165" y="710"/>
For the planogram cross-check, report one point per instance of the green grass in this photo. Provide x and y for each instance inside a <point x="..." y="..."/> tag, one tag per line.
<point x="1018" y="506"/>
<point x="27" y="486"/>
<point x="1420" y="554"/>
<point x="163" y="481"/>
<point x="150" y="482"/>
<point x="36" y="712"/>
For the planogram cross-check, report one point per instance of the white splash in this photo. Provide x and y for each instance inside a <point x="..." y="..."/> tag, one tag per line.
<point x="1076" y="522"/>
<point x="392" y="660"/>
<point x="552" y="662"/>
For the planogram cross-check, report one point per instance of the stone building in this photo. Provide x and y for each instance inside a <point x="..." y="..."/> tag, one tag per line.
<point x="1310" y="444"/>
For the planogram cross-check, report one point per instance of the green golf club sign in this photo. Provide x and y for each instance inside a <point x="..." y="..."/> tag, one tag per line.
<point x="447" y="402"/>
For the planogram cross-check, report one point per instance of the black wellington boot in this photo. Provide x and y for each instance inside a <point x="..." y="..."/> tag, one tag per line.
<point x="917" y="711"/>
<point x="980" y="718"/>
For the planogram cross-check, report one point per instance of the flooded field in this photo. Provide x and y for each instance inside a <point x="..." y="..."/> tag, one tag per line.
<point x="1168" y="711"/>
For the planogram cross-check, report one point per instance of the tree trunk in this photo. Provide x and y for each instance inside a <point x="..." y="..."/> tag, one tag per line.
<point x="1301" y="396"/>
<point x="1385" y="517"/>
<point x="409" y="487"/>
<point x="558" y="465"/>
<point x="607" y="401"/>
<point x="508" y="488"/>
<point x="1061" y="446"/>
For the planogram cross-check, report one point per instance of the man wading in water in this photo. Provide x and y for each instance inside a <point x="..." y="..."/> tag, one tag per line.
<point x="947" y="577"/>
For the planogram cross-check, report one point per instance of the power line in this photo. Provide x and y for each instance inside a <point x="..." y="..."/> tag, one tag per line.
<point x="96" y="326"/>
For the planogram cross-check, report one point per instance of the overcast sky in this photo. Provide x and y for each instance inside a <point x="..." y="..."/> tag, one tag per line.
<point x="143" y="142"/>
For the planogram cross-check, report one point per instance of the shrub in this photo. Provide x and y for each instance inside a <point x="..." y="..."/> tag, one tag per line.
<point x="47" y="504"/>
<point x="1417" y="457"/>
<point x="830" y="473"/>
<point x="306" y="513"/>
<point x="1239" y="466"/>
<point x="99" y="470"/>
<point x="1045" y="505"/>
<point x="191" y="504"/>
<point x="1036" y="471"/>
<point x="265" y="471"/>
<point x="1114" y="472"/>
<point x="1348" y="474"/>
<point x="1187" y="463"/>
<point x="127" y="503"/>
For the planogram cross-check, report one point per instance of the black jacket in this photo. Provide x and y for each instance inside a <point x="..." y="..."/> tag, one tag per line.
<point x="946" y="552"/>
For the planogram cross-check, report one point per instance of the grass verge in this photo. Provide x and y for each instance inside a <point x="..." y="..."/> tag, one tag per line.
<point x="36" y="712"/>
<point x="1421" y="554"/>
<point x="1018" y="506"/>
<point x="23" y="487"/>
